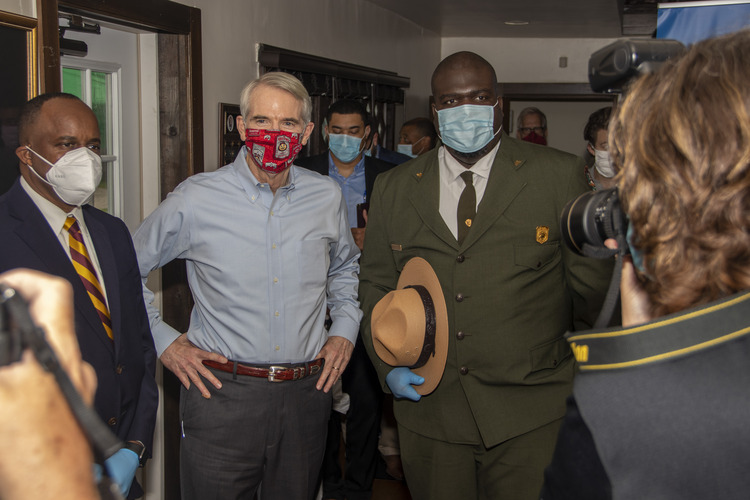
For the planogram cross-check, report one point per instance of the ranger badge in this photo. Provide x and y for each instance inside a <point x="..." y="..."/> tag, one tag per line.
<point x="542" y="234"/>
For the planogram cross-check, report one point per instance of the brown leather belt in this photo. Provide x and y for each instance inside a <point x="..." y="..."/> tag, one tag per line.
<point x="274" y="373"/>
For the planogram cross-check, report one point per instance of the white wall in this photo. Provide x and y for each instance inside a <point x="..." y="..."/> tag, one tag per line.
<point x="353" y="31"/>
<point x="524" y="60"/>
<point x="21" y="7"/>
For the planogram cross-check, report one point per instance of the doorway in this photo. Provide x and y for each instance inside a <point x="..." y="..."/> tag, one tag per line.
<point x="171" y="142"/>
<point x="567" y="107"/>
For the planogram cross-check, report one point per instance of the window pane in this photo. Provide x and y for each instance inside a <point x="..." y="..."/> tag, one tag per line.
<point x="101" y="195"/>
<point x="72" y="81"/>
<point x="99" y="84"/>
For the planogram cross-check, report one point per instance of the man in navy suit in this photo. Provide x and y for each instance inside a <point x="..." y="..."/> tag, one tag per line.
<point x="348" y="131"/>
<point x="60" y="168"/>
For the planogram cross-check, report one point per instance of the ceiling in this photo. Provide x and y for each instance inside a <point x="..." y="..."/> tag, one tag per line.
<point x="546" y="18"/>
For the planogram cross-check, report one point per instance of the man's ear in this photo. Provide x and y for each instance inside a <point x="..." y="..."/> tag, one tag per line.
<point x="24" y="155"/>
<point x="433" y="111"/>
<point x="590" y="149"/>
<point x="241" y="127"/>
<point x="498" y="93"/>
<point x="307" y="132"/>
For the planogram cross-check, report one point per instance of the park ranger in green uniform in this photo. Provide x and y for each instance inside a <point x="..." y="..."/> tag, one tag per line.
<point x="483" y="211"/>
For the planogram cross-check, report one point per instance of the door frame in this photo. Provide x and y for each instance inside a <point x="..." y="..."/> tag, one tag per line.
<point x="570" y="92"/>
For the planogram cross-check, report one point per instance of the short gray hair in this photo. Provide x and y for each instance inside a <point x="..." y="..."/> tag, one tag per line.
<point x="531" y="111"/>
<point x="279" y="80"/>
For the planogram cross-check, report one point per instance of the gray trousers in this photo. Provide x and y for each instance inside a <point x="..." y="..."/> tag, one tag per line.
<point x="253" y="431"/>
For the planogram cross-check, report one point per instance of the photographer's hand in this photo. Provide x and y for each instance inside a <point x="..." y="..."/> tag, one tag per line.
<point x="37" y="429"/>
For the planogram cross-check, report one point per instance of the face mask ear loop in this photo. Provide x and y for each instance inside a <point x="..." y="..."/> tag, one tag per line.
<point x="40" y="157"/>
<point x="420" y="151"/>
<point x="34" y="170"/>
<point x="436" y="115"/>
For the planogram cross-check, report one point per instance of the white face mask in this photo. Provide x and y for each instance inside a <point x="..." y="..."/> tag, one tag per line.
<point x="603" y="165"/>
<point x="75" y="176"/>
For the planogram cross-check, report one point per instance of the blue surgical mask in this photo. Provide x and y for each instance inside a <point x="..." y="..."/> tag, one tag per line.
<point x="408" y="149"/>
<point x="636" y="254"/>
<point x="467" y="128"/>
<point x="344" y="147"/>
<point x="405" y="149"/>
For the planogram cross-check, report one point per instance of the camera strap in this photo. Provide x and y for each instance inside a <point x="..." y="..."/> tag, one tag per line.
<point x="613" y="292"/>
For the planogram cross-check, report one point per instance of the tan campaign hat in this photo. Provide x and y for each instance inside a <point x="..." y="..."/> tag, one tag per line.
<point x="410" y="324"/>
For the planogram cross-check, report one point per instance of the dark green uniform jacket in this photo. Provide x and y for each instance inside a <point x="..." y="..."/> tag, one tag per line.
<point x="512" y="290"/>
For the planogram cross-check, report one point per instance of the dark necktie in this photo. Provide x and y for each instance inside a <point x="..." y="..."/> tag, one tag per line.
<point x="87" y="272"/>
<point x="467" y="207"/>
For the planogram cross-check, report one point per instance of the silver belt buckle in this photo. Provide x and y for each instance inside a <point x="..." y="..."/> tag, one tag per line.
<point x="272" y="370"/>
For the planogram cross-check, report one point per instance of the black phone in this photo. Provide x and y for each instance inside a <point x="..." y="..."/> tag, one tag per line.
<point x="360" y="217"/>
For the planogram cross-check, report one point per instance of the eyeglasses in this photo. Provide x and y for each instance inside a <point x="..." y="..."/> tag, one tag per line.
<point x="528" y="130"/>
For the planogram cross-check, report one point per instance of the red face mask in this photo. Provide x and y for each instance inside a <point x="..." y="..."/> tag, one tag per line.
<point x="273" y="150"/>
<point x="535" y="138"/>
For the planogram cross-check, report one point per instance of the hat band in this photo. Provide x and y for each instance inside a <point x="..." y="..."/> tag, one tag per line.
<point x="428" y="347"/>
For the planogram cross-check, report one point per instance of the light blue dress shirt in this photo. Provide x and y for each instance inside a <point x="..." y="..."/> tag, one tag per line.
<point x="261" y="268"/>
<point x="353" y="187"/>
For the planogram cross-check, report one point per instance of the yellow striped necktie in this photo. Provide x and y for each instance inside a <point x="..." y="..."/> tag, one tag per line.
<point x="87" y="272"/>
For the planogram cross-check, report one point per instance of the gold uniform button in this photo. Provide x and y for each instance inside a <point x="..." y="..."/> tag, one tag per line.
<point x="119" y="369"/>
<point x="463" y="370"/>
<point x="112" y="421"/>
<point x="460" y="335"/>
<point x="460" y="297"/>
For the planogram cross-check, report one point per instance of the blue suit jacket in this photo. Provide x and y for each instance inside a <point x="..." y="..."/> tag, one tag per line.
<point x="391" y="156"/>
<point x="126" y="396"/>
<point x="373" y="167"/>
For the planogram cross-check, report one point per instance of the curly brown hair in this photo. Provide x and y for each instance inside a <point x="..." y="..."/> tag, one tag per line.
<point x="681" y="139"/>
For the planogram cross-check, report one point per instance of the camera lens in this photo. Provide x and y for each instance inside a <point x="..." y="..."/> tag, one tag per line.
<point x="590" y="219"/>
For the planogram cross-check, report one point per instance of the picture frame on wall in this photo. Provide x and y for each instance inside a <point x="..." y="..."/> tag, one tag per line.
<point x="18" y="53"/>
<point x="229" y="139"/>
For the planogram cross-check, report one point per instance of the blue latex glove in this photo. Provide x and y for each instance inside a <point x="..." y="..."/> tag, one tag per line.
<point x="400" y="380"/>
<point x="121" y="467"/>
<point x="97" y="473"/>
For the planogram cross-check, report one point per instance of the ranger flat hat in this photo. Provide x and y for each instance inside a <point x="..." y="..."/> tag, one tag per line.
<point x="410" y="324"/>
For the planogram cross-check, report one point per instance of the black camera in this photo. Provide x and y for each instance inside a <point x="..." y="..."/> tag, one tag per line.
<point x="590" y="219"/>
<point x="613" y="66"/>
<point x="11" y="337"/>
<point x="595" y="216"/>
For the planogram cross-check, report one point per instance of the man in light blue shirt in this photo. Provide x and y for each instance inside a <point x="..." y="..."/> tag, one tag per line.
<point x="268" y="248"/>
